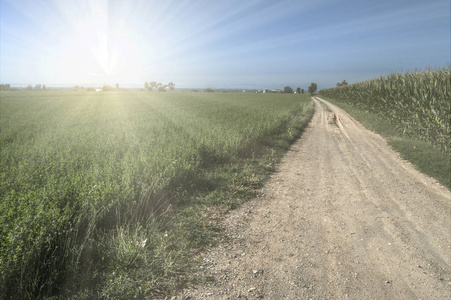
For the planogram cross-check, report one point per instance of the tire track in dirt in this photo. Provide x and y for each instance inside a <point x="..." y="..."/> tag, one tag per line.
<point x="344" y="217"/>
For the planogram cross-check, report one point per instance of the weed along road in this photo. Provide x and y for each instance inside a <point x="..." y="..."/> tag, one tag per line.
<point x="344" y="217"/>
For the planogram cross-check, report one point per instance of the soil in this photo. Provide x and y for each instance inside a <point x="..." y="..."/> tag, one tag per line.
<point x="344" y="217"/>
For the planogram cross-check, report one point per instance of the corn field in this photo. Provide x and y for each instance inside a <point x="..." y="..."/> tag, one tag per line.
<point x="418" y="103"/>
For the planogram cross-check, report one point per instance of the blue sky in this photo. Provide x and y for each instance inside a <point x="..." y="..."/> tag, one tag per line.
<point x="219" y="44"/>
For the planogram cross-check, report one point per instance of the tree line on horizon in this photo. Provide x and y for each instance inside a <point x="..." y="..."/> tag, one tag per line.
<point x="311" y="90"/>
<point x="160" y="87"/>
<point x="151" y="85"/>
<point x="37" y="87"/>
<point x="5" y="87"/>
<point x="43" y="87"/>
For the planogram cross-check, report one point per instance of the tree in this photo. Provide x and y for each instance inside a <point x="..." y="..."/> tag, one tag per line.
<point x="152" y="85"/>
<point x="343" y="83"/>
<point x="171" y="86"/>
<point x="288" y="90"/>
<point x="29" y="87"/>
<point x="37" y="87"/>
<point x="312" y="88"/>
<point x="298" y="90"/>
<point x="117" y="86"/>
<point x="302" y="91"/>
<point x="161" y="87"/>
<point x="44" y="87"/>
<point x="146" y="85"/>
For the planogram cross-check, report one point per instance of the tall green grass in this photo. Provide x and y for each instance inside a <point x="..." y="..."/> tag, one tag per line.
<point x="418" y="103"/>
<point x="95" y="188"/>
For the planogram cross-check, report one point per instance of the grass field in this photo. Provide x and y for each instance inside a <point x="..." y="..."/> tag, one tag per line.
<point x="108" y="193"/>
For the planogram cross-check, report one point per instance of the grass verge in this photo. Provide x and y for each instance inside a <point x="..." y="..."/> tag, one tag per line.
<point x="223" y="187"/>
<point x="425" y="157"/>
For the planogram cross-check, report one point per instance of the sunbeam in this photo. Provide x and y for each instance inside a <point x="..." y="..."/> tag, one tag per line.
<point x="222" y="44"/>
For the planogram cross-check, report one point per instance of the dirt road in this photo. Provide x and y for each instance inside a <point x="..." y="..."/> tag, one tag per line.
<point x="343" y="218"/>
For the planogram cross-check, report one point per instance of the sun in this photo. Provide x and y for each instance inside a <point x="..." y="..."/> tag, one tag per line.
<point x="104" y="49"/>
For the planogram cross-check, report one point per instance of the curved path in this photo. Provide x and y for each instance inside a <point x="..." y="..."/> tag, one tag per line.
<point x="343" y="218"/>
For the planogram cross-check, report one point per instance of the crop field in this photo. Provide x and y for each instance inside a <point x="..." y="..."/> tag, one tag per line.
<point x="86" y="177"/>
<point x="418" y="103"/>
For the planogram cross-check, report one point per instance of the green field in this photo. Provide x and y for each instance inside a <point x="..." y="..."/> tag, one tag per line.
<point x="100" y="191"/>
